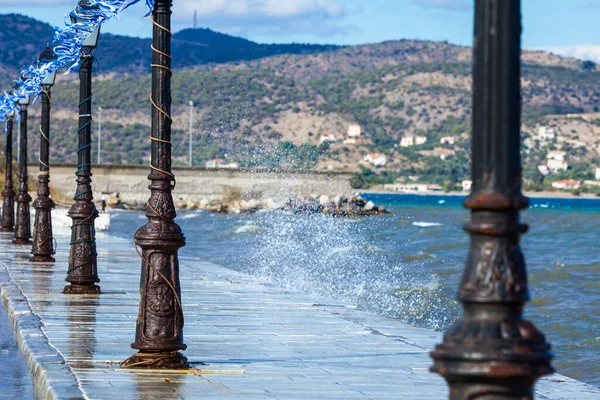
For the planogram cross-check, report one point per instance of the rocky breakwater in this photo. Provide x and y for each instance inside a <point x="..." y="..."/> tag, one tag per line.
<point x="342" y="206"/>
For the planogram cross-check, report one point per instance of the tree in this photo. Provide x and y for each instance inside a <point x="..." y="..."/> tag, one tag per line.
<point x="588" y="66"/>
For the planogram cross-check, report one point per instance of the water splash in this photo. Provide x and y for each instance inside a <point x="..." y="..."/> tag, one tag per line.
<point x="326" y="256"/>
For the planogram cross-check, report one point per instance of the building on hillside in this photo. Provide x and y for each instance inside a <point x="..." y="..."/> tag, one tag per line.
<point x="412" y="187"/>
<point x="410" y="140"/>
<point x="354" y="131"/>
<point x="545" y="133"/>
<point x="557" y="155"/>
<point x="445" y="154"/>
<point x="351" y="140"/>
<point x="543" y="169"/>
<point x="376" y="159"/>
<point x="556" y="161"/>
<point x="597" y="174"/>
<point x="466" y="185"/>
<point x="328" y="137"/>
<point x="556" y="165"/>
<point x="567" y="184"/>
<point x="216" y="163"/>
<point x="447" y="140"/>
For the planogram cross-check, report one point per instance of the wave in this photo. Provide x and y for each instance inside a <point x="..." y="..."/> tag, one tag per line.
<point x="426" y="224"/>
<point x="248" y="228"/>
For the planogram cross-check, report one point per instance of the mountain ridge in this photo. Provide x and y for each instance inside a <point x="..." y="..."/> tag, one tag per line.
<point x="270" y="111"/>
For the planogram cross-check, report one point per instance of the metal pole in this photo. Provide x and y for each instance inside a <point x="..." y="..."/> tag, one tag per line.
<point x="8" y="204"/>
<point x="23" y="221"/>
<point x="83" y="269"/>
<point x="191" y="132"/>
<point x="99" y="134"/>
<point x="159" y="325"/>
<point x="43" y="240"/>
<point x="492" y="353"/>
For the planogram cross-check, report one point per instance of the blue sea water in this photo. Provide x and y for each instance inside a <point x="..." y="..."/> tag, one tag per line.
<point x="407" y="264"/>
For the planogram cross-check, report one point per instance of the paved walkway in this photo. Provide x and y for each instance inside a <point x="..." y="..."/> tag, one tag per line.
<point x="246" y="339"/>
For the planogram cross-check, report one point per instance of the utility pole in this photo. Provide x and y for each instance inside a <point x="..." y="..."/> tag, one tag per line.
<point x="191" y="131"/>
<point x="99" y="133"/>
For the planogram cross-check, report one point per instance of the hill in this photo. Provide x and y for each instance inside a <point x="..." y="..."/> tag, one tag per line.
<point x="22" y="38"/>
<point x="271" y="111"/>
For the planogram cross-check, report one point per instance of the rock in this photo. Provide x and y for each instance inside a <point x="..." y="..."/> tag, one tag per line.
<point x="369" y="206"/>
<point x="324" y="200"/>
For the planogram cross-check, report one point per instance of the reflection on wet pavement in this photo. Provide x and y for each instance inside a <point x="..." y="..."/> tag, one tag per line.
<point x="15" y="382"/>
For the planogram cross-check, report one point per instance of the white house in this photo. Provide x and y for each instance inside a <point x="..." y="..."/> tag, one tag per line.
<point x="410" y="140"/>
<point x="328" y="137"/>
<point x="216" y="163"/>
<point x="567" y="184"/>
<point x="376" y="159"/>
<point x="543" y="169"/>
<point x="351" y="140"/>
<point x="445" y="154"/>
<point x="546" y="133"/>
<point x="466" y="185"/>
<point x="447" y="140"/>
<point x="354" y="131"/>
<point x="557" y="155"/>
<point x="556" y="161"/>
<point x="598" y="174"/>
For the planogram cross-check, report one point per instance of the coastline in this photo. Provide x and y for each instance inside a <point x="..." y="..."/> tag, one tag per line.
<point x="535" y="195"/>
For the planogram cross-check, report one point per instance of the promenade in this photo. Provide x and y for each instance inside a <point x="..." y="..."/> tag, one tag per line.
<point x="246" y="339"/>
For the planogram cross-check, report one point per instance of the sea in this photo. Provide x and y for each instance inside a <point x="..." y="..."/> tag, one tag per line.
<point x="407" y="264"/>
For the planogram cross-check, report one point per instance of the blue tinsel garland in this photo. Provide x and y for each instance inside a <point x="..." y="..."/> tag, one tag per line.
<point x="67" y="45"/>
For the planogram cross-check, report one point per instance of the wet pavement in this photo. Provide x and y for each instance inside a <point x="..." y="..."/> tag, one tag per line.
<point x="15" y="380"/>
<point x="246" y="339"/>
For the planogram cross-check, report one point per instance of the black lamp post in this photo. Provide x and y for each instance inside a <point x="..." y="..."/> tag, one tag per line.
<point x="23" y="220"/>
<point x="43" y="241"/>
<point x="8" y="194"/>
<point x="159" y="327"/>
<point x="493" y="353"/>
<point x="83" y="269"/>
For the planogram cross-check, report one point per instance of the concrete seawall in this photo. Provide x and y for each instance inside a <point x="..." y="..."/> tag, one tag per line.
<point x="194" y="183"/>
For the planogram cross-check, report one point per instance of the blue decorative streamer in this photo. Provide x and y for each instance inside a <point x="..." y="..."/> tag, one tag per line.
<point x="67" y="43"/>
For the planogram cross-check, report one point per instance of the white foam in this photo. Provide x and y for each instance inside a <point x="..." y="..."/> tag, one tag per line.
<point x="247" y="228"/>
<point x="426" y="224"/>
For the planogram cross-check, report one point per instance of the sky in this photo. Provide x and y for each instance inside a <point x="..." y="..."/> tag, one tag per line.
<point x="567" y="27"/>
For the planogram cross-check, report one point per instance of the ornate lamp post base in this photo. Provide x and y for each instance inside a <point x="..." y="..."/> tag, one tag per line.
<point x="81" y="289"/>
<point x="173" y="361"/>
<point x="43" y="246"/>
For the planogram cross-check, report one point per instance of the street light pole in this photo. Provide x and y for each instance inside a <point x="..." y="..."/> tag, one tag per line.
<point x="492" y="352"/>
<point x="83" y="268"/>
<point x="191" y="132"/>
<point x="8" y="205"/>
<point x="159" y="325"/>
<point x="23" y="221"/>
<point x="99" y="133"/>
<point x="43" y="240"/>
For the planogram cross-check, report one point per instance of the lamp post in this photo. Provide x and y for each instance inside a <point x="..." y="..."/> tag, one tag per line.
<point x="43" y="241"/>
<point x="191" y="132"/>
<point x="23" y="219"/>
<point x="8" y="194"/>
<point x="492" y="353"/>
<point x="99" y="133"/>
<point x="159" y="326"/>
<point x="83" y="268"/>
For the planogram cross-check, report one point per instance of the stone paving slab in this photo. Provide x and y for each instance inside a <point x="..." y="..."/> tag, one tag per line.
<point x="246" y="339"/>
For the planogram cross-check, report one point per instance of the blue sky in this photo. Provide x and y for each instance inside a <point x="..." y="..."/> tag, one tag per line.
<point x="569" y="27"/>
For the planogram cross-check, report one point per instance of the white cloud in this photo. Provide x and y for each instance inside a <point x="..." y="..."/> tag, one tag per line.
<point x="265" y="17"/>
<point x="452" y="5"/>
<point x="262" y="8"/>
<point x="589" y="52"/>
